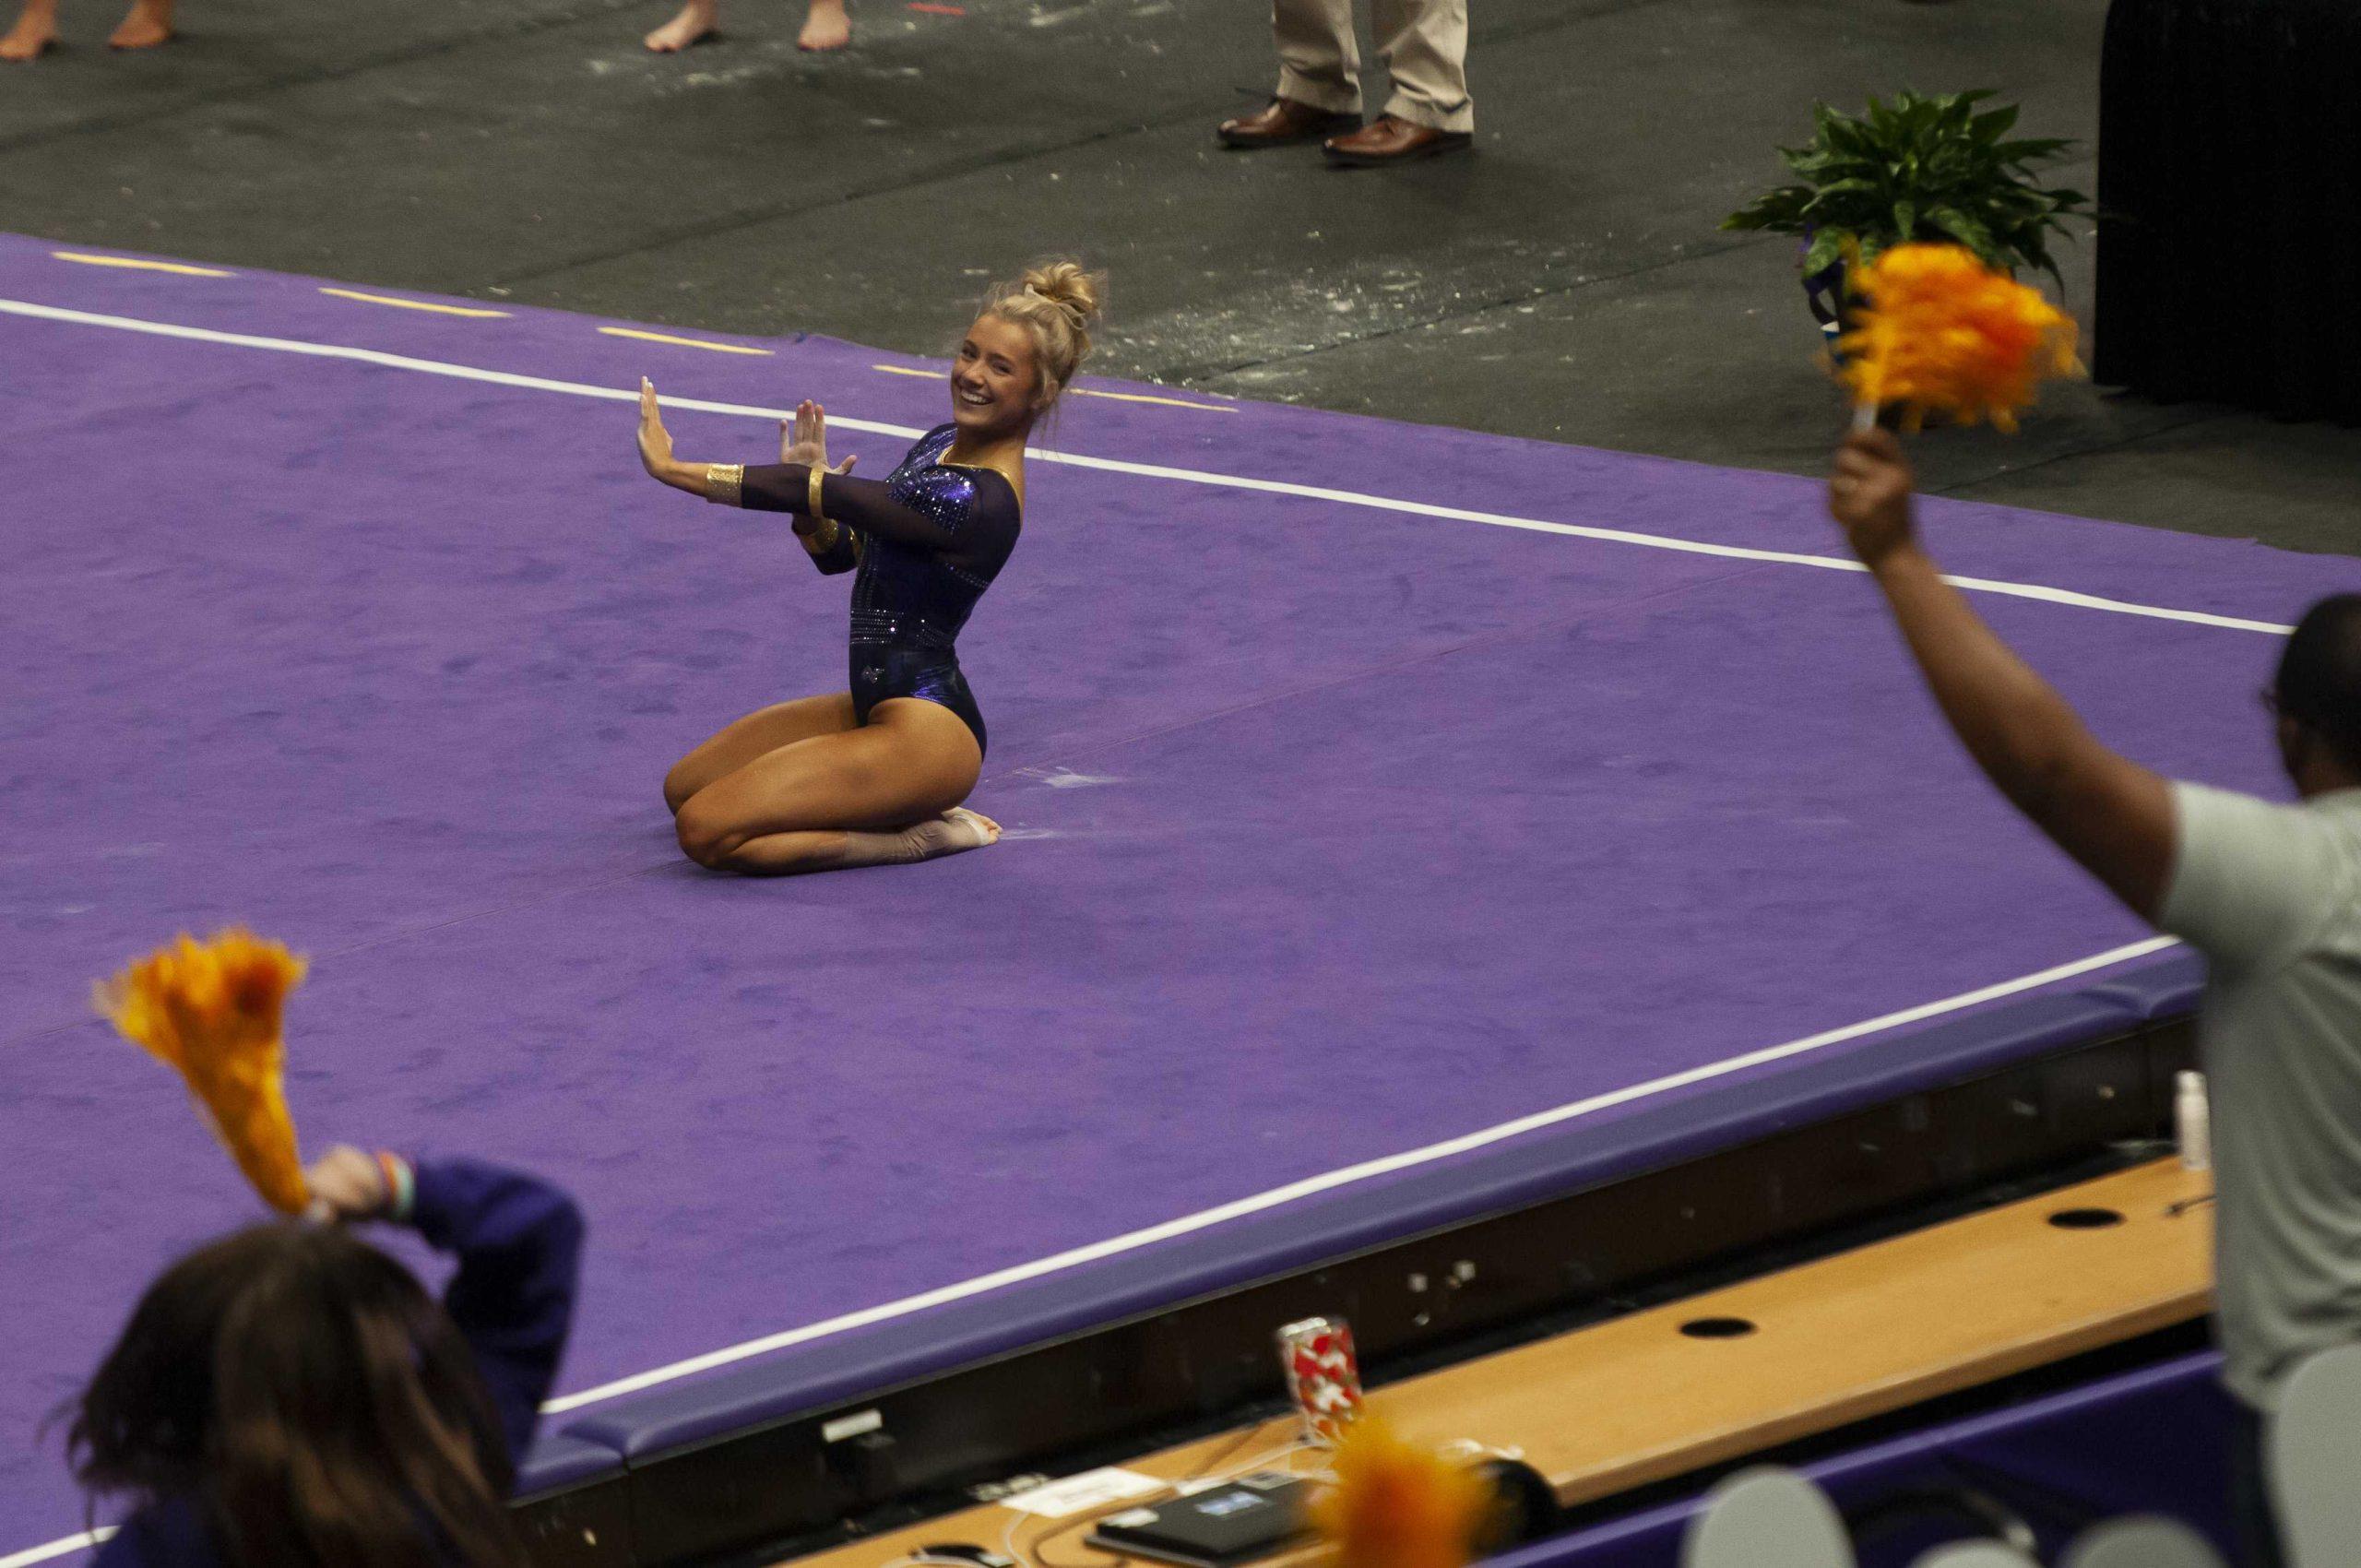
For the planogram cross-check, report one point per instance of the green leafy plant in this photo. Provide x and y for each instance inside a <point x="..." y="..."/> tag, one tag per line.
<point x="1919" y="168"/>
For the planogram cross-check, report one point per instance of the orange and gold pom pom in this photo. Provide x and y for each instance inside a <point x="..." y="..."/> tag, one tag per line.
<point x="1396" y="1505"/>
<point x="1937" y="330"/>
<point x="212" y="1011"/>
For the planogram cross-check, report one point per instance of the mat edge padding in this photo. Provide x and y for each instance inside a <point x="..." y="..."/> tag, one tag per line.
<point x="638" y="1427"/>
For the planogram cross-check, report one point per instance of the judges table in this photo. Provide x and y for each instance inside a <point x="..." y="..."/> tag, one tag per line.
<point x="1713" y="1378"/>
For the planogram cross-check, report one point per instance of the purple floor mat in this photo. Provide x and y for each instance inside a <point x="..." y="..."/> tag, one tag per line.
<point x="1334" y="831"/>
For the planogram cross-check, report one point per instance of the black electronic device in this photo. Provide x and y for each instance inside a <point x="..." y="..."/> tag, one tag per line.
<point x="951" y="1554"/>
<point x="1215" y="1527"/>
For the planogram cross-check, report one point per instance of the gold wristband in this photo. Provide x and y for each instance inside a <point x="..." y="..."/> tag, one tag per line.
<point x="812" y="495"/>
<point x="725" y="484"/>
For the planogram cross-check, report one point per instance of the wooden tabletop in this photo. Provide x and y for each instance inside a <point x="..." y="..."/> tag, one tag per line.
<point x="1635" y="1399"/>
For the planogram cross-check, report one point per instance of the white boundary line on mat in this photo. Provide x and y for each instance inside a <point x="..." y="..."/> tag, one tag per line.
<point x="1312" y="1185"/>
<point x="1110" y="465"/>
<point x="58" y="1548"/>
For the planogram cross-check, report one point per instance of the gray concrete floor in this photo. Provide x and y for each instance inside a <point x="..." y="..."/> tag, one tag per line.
<point x="1567" y="282"/>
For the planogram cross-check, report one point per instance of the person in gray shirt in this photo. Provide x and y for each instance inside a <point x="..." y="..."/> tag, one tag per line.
<point x="2270" y="893"/>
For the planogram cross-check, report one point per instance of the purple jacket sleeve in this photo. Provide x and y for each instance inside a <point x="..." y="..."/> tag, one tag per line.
<point x="168" y="1534"/>
<point x="519" y="1245"/>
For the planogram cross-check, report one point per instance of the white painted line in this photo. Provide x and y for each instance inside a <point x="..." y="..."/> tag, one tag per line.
<point x="1311" y="1186"/>
<point x="1144" y="470"/>
<point x="58" y="1548"/>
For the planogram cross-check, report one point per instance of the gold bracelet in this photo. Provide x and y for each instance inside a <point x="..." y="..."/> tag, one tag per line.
<point x="812" y="496"/>
<point x="725" y="484"/>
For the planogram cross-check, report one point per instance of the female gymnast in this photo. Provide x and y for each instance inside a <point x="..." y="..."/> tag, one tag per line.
<point x="876" y="774"/>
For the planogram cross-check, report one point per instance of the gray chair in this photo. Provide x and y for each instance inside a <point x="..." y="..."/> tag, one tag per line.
<point x="2315" y="1477"/>
<point x="1976" y="1554"/>
<point x="1767" y="1518"/>
<point x="2142" y="1541"/>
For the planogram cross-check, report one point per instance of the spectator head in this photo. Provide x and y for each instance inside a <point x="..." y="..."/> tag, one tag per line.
<point x="2317" y="697"/>
<point x="303" y="1392"/>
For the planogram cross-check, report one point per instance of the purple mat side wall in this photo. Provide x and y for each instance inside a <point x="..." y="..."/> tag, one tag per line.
<point x="559" y="1461"/>
<point x="1523" y="1171"/>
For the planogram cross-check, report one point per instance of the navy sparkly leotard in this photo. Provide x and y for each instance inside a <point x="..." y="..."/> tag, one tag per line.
<point x="927" y="541"/>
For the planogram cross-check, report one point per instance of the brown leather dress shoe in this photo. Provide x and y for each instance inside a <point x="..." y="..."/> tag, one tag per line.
<point x="1283" y="122"/>
<point x="1389" y="140"/>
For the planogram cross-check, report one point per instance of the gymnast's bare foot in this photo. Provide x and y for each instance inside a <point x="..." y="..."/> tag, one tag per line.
<point x="694" y="25"/>
<point x="146" y="25"/>
<point x="955" y="832"/>
<point x="35" y="30"/>
<point x="825" y="27"/>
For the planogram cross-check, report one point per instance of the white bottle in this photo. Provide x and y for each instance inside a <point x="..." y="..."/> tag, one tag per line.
<point x="2193" y="1121"/>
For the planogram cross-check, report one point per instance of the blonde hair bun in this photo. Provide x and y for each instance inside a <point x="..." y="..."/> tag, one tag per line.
<point x="1058" y="300"/>
<point x="1065" y="285"/>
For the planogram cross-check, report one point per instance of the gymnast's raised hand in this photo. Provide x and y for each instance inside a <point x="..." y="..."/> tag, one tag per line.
<point x="804" y="439"/>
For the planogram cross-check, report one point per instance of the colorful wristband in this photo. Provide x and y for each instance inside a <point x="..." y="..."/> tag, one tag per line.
<point x="401" y="1186"/>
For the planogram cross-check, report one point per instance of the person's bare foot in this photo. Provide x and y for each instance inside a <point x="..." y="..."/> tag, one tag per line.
<point x="694" y="25"/>
<point x="955" y="832"/>
<point x="825" y="27"/>
<point x="146" y="25"/>
<point x="35" y="30"/>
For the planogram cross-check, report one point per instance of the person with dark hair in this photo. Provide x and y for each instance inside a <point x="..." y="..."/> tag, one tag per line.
<point x="290" y="1396"/>
<point x="876" y="774"/>
<point x="2270" y="893"/>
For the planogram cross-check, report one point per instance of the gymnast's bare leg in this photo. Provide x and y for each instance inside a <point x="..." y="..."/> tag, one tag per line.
<point x="759" y="733"/>
<point x="888" y="792"/>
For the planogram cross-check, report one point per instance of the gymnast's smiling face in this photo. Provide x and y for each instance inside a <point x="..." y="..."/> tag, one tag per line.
<point x="995" y="380"/>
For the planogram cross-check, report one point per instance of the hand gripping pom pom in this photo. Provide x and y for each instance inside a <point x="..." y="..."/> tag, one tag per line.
<point x="1396" y="1505"/>
<point x="1936" y="330"/>
<point x="210" y="1011"/>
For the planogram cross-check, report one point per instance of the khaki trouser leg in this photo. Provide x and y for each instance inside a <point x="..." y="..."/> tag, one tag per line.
<point x="1319" y="63"/>
<point x="1425" y="46"/>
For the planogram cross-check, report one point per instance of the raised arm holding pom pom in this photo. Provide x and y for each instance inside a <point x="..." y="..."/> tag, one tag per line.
<point x="2106" y="811"/>
<point x="408" y="1456"/>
